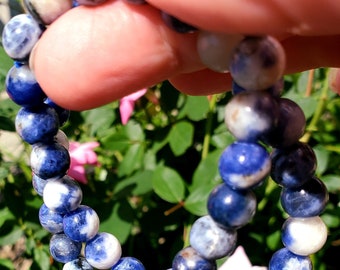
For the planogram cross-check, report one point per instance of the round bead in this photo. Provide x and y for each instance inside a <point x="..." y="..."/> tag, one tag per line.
<point x="189" y="259"/>
<point x="38" y="184"/>
<point x="82" y="224"/>
<point x="177" y="25"/>
<point x="62" y="113"/>
<point x="293" y="166"/>
<point x="103" y="251"/>
<point x="284" y="259"/>
<point x="49" y="161"/>
<point x="22" y="87"/>
<point x="128" y="263"/>
<point x="216" y="49"/>
<point x="304" y="236"/>
<point x="258" y="62"/>
<point x="78" y="264"/>
<point x="62" y="139"/>
<point x="251" y="115"/>
<point x="50" y="220"/>
<point x="63" y="249"/>
<point x="90" y="2"/>
<point x="62" y="195"/>
<point x="36" y="125"/>
<point x="231" y="208"/>
<point x="20" y="35"/>
<point x="244" y="165"/>
<point x="306" y="201"/>
<point x="211" y="241"/>
<point x="47" y="11"/>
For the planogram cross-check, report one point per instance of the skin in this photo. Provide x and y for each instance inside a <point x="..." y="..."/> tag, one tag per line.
<point x="91" y="56"/>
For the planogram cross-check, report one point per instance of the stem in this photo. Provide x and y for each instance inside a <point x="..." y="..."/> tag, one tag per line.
<point x="309" y="86"/>
<point x="174" y="208"/>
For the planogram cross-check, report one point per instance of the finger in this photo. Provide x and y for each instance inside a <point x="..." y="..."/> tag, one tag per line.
<point x="92" y="56"/>
<point x="304" y="17"/>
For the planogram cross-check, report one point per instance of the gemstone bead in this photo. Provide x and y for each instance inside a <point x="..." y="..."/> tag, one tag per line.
<point x="47" y="11"/>
<point x="20" y="35"/>
<point x="36" y="125"/>
<point x="49" y="161"/>
<point x="103" y="251"/>
<point x="78" y="264"/>
<point x="211" y="241"/>
<point x="51" y="220"/>
<point x="23" y="88"/>
<point x="304" y="236"/>
<point x="231" y="208"/>
<point x="251" y="115"/>
<point x="90" y="2"/>
<point x="38" y="184"/>
<point x="189" y="259"/>
<point x="128" y="263"/>
<point x="258" y="62"/>
<point x="62" y="113"/>
<point x="293" y="166"/>
<point x="177" y="25"/>
<point x="62" y="139"/>
<point x="306" y="201"/>
<point x="244" y="165"/>
<point x="284" y="259"/>
<point x="63" y="249"/>
<point x="138" y="2"/>
<point x="62" y="195"/>
<point x="216" y="49"/>
<point x="82" y="224"/>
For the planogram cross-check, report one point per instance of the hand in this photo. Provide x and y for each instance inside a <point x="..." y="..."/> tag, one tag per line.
<point x="94" y="55"/>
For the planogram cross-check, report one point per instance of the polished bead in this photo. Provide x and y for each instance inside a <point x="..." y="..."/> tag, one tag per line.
<point x="258" y="62"/>
<point x="189" y="259"/>
<point x="49" y="161"/>
<point x="62" y="139"/>
<point x="63" y="114"/>
<point x="23" y="88"/>
<point x="216" y="49"/>
<point x="244" y="165"/>
<point x="231" y="208"/>
<point x="50" y="220"/>
<point x="82" y="224"/>
<point x="306" y="201"/>
<point x="90" y="2"/>
<point x="103" y="251"/>
<point x="283" y="259"/>
<point x="47" y="11"/>
<point x="251" y="115"/>
<point x="63" y="249"/>
<point x="210" y="240"/>
<point x="137" y="2"/>
<point x="78" y="264"/>
<point x="128" y="263"/>
<point x="36" y="125"/>
<point x="38" y="184"/>
<point x="176" y="24"/>
<point x="293" y="166"/>
<point x="304" y="236"/>
<point x="62" y="195"/>
<point x="20" y="35"/>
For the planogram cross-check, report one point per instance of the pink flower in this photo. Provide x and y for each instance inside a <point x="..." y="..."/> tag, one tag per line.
<point x="127" y="104"/>
<point x="81" y="154"/>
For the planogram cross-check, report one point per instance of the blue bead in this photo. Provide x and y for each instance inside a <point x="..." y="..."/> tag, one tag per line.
<point x="38" y="184"/>
<point x="128" y="263"/>
<point x="63" y="114"/>
<point x="306" y="201"/>
<point x="22" y="87"/>
<point x="49" y="161"/>
<point x="78" y="264"/>
<point x="211" y="241"/>
<point x="189" y="259"/>
<point x="177" y="25"/>
<point x="244" y="165"/>
<point x="20" y="35"/>
<point x="284" y="259"/>
<point x="82" y="224"/>
<point x="63" y="249"/>
<point x="62" y="195"/>
<point x="231" y="208"/>
<point x="50" y="220"/>
<point x="36" y="125"/>
<point x="90" y="2"/>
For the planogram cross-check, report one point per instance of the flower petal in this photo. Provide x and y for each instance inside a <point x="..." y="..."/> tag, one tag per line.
<point x="78" y="173"/>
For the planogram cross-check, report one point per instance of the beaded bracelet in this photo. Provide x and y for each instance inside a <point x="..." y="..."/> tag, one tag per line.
<point x="257" y="116"/>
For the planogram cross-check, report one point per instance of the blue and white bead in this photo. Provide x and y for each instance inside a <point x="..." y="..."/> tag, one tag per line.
<point x="103" y="251"/>
<point x="38" y="184"/>
<point x="78" y="264"/>
<point x="51" y="220"/>
<point x="283" y="259"/>
<point x="304" y="236"/>
<point x="20" y="35"/>
<point x="82" y="224"/>
<point x="62" y="195"/>
<point x="128" y="263"/>
<point x="62" y="113"/>
<point x="63" y="249"/>
<point x="210" y="240"/>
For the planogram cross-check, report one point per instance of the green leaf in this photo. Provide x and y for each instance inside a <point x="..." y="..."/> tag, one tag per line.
<point x="133" y="160"/>
<point x="42" y="257"/>
<point x="196" y="202"/>
<point x="332" y="182"/>
<point x="180" y="137"/>
<point x="196" y="108"/>
<point x="6" y="124"/>
<point x="138" y="184"/>
<point x="5" y="215"/>
<point x="7" y="264"/>
<point x="322" y="157"/>
<point x="116" y="142"/>
<point x="12" y="237"/>
<point x="168" y="184"/>
<point x="99" y="119"/>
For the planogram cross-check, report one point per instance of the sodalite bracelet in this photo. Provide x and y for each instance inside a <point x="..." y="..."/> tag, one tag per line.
<point x="256" y="115"/>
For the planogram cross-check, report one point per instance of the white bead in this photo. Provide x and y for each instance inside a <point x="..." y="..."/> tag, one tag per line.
<point x="216" y="49"/>
<point x="62" y="139"/>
